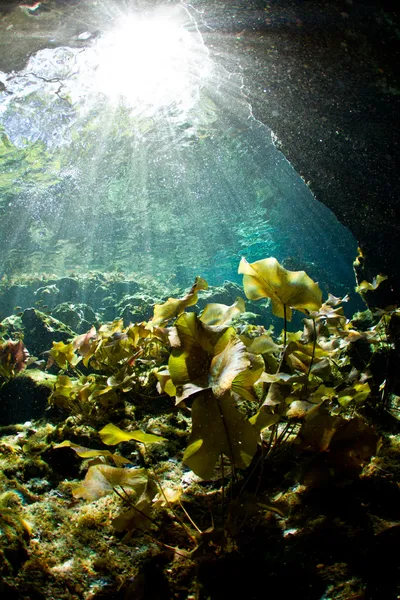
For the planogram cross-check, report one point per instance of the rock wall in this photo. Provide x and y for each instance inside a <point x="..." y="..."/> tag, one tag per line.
<point x="322" y="75"/>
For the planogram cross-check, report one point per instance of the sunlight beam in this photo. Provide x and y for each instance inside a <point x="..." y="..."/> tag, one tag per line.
<point x="152" y="62"/>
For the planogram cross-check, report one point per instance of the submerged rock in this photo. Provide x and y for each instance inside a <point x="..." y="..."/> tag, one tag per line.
<point x="80" y="317"/>
<point x="25" y="397"/>
<point x="41" y="330"/>
<point x="135" y="308"/>
<point x="11" y="327"/>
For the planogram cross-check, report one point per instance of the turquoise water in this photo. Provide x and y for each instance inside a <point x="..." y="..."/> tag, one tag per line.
<point x="170" y="182"/>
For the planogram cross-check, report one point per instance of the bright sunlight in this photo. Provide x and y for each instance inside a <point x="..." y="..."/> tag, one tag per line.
<point x="152" y="62"/>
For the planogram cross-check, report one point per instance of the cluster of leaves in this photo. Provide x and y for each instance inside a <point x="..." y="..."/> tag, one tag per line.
<point x="13" y="358"/>
<point x="226" y="375"/>
<point x="138" y="487"/>
<point x="246" y="389"/>
<point x="237" y="384"/>
<point x="124" y="360"/>
<point x="240" y="384"/>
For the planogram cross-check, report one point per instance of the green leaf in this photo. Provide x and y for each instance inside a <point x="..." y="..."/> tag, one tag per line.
<point x="101" y="480"/>
<point x="226" y="365"/>
<point x="111" y="435"/>
<point x="358" y="393"/>
<point x="282" y="378"/>
<point x="194" y="349"/>
<point x="175" y="306"/>
<point x="218" y="428"/>
<point x="323" y="393"/>
<point x="204" y="357"/>
<point x="64" y="355"/>
<point x="365" y="286"/>
<point x="221" y="314"/>
<point x="264" y="418"/>
<point x="291" y="289"/>
<point x="243" y="384"/>
<point x="262" y="344"/>
<point x="165" y="383"/>
<point x="82" y="451"/>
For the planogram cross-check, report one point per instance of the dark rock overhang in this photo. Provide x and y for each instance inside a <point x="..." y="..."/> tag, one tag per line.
<point x="321" y="75"/>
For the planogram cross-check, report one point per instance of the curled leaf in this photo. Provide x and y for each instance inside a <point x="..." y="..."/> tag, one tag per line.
<point x="243" y="384"/>
<point x="64" y="355"/>
<point x="175" y="306"/>
<point x="13" y="358"/>
<point x="101" y="480"/>
<point x="262" y="344"/>
<point x="226" y="365"/>
<point x="165" y="383"/>
<point x="287" y="289"/>
<point x="86" y="344"/>
<point x="365" y="286"/>
<point x="81" y="450"/>
<point x="221" y="314"/>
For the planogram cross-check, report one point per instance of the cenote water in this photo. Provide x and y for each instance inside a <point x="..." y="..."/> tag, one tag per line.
<point x="138" y="155"/>
<point x="160" y="438"/>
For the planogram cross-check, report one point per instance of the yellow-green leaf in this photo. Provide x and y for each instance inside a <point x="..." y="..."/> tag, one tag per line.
<point x="175" y="306"/>
<point x="263" y="419"/>
<point x="194" y="348"/>
<point x="358" y="393"/>
<point x="64" y="355"/>
<point x="221" y="314"/>
<point x="226" y="365"/>
<point x="243" y="384"/>
<point x="82" y="451"/>
<point x="111" y="435"/>
<point x="218" y="428"/>
<point x="262" y="344"/>
<point x="365" y="286"/>
<point x="101" y="480"/>
<point x="291" y="289"/>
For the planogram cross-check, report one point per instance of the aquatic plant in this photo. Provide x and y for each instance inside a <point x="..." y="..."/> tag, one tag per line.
<point x="286" y="289"/>
<point x="124" y="357"/>
<point x="241" y="388"/>
<point x="136" y="486"/>
<point x="238" y="384"/>
<point x="208" y="364"/>
<point x="13" y="358"/>
<point x="237" y="404"/>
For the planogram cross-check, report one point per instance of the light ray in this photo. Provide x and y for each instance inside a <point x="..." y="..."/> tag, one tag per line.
<point x="152" y="61"/>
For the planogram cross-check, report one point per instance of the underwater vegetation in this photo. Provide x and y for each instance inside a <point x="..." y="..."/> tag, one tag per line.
<point x="195" y="442"/>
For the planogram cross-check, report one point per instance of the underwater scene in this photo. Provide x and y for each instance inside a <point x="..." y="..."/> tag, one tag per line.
<point x="198" y="398"/>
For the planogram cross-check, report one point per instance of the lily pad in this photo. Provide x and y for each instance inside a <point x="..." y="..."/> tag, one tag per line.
<point x="101" y="480"/>
<point x="218" y="428"/>
<point x="287" y="289"/>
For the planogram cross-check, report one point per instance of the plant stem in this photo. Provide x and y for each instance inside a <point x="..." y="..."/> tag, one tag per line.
<point x="128" y="501"/>
<point x="312" y="356"/>
<point x="284" y="328"/>
<point x="232" y="456"/>
<point x="222" y="499"/>
<point x="177" y="517"/>
<point x="223" y="486"/>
